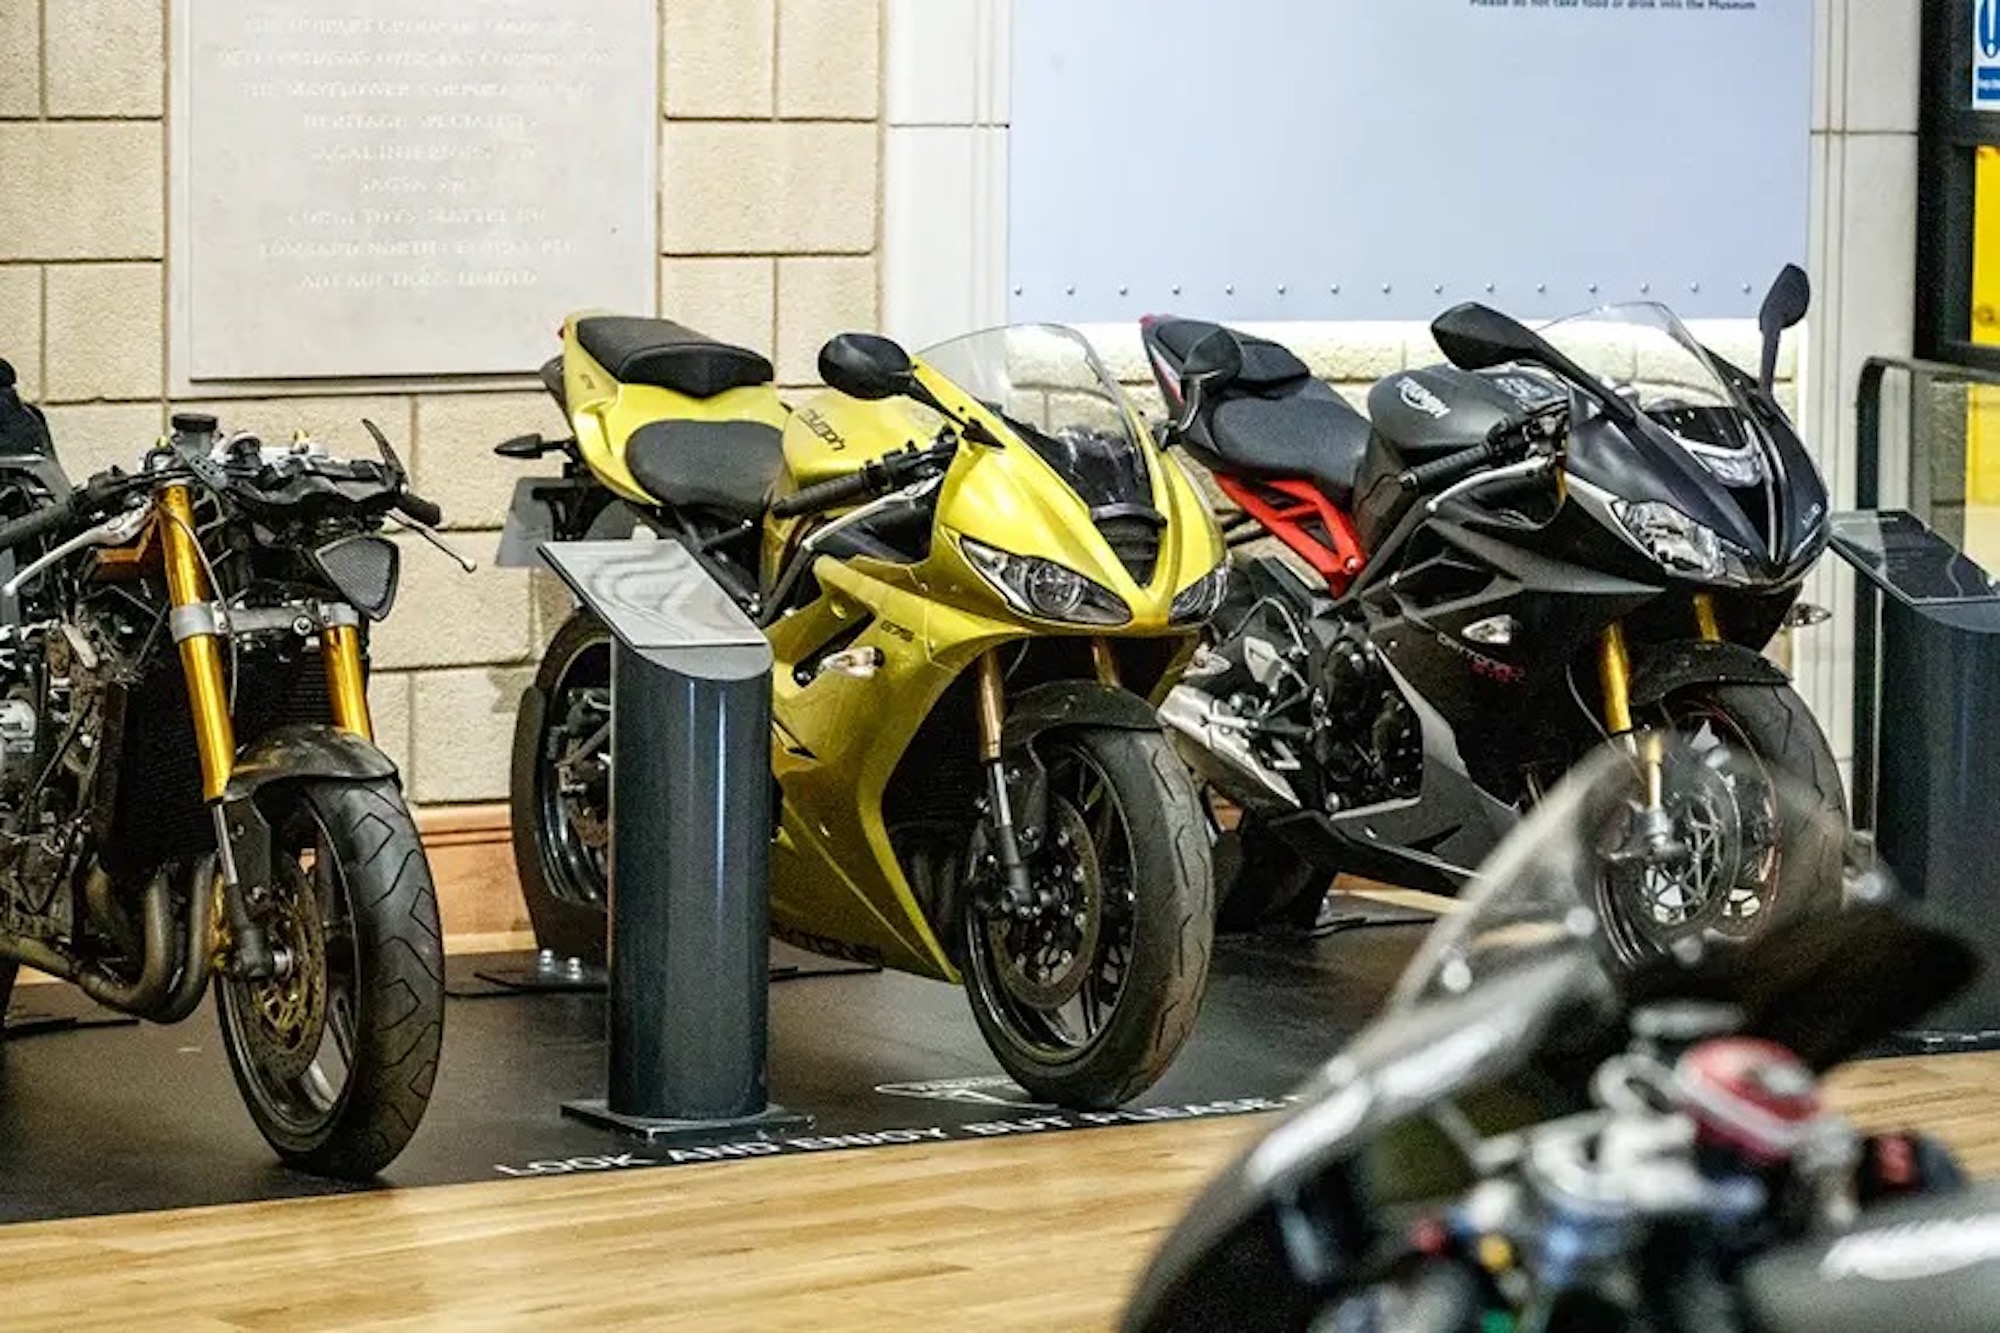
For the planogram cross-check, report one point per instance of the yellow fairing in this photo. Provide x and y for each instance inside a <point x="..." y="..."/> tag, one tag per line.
<point x="604" y="413"/>
<point x="839" y="738"/>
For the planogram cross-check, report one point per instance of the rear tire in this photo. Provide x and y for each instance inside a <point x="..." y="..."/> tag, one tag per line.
<point x="1147" y="877"/>
<point x="336" y="1059"/>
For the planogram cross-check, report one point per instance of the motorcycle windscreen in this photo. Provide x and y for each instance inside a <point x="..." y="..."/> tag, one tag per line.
<point x="1046" y="383"/>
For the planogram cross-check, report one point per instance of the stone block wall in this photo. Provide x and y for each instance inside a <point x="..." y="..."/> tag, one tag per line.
<point x="769" y="219"/>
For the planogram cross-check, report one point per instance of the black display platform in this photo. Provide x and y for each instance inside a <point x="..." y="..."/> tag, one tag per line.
<point x="134" y="1118"/>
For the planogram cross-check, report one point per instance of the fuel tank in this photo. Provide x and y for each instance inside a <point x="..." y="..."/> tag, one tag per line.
<point x="1425" y="414"/>
<point x="830" y="435"/>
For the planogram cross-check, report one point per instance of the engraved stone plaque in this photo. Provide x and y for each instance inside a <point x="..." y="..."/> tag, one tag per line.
<point x="407" y="187"/>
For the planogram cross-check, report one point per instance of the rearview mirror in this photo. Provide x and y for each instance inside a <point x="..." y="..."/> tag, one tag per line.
<point x="1784" y="306"/>
<point x="865" y="366"/>
<point x="1478" y="337"/>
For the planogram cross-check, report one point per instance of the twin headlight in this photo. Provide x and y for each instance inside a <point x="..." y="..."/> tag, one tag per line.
<point x="1680" y="544"/>
<point x="1049" y="591"/>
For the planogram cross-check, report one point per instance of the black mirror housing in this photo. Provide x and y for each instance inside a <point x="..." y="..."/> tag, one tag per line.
<point x="1784" y="306"/>
<point x="1478" y="337"/>
<point x="1787" y="302"/>
<point x="866" y="366"/>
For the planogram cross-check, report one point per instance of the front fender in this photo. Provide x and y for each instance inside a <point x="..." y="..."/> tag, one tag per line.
<point x="305" y="752"/>
<point x="1660" y="669"/>
<point x="1073" y="703"/>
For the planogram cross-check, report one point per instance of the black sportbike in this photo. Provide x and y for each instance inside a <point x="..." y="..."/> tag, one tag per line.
<point x="1520" y="556"/>
<point x="189" y="793"/>
<point x="1534" y="1137"/>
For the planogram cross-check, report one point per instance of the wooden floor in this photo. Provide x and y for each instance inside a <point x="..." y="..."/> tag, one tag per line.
<point x="1041" y="1233"/>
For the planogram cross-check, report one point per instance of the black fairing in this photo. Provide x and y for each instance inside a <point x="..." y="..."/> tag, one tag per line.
<point x="1783" y="527"/>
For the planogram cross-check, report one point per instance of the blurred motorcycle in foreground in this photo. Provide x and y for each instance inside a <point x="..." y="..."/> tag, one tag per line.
<point x="1533" y="1137"/>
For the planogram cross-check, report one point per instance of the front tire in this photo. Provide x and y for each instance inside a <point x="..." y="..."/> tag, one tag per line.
<point x="1787" y="785"/>
<point x="335" y="1059"/>
<point x="1130" y="895"/>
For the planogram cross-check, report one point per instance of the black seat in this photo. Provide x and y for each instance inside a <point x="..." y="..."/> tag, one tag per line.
<point x="1274" y="420"/>
<point x="725" y="467"/>
<point x="666" y="355"/>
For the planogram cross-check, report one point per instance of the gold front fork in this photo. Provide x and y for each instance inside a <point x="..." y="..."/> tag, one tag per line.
<point x="1614" y="678"/>
<point x="347" y="690"/>
<point x="1705" y="621"/>
<point x="201" y="655"/>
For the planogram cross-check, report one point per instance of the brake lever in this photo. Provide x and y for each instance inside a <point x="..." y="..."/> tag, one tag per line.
<point x="430" y="534"/>
<point x="1527" y="467"/>
<point x="117" y="530"/>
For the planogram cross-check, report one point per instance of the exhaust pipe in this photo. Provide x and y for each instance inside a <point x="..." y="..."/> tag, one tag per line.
<point x="141" y="997"/>
<point x="1216" y="744"/>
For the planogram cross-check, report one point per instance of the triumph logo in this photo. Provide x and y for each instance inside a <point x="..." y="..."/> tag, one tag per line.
<point x="1420" y="399"/>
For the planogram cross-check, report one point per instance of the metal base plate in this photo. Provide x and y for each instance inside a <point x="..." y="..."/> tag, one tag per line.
<point x="773" y="1123"/>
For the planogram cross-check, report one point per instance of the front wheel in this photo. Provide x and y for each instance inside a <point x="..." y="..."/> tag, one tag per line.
<point x="1754" y="797"/>
<point x="1086" y="1000"/>
<point x="335" y="1056"/>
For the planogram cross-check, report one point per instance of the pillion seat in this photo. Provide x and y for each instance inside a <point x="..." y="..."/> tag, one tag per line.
<point x="664" y="355"/>
<point x="1274" y="420"/>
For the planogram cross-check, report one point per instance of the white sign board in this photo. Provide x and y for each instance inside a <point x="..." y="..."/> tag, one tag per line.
<point x="1986" y="55"/>
<point x="405" y="187"/>
<point x="1382" y="159"/>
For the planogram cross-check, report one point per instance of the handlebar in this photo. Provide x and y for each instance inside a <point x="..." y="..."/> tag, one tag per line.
<point x="1506" y="442"/>
<point x="831" y="494"/>
<point x="411" y="505"/>
<point x="86" y="501"/>
<point x="877" y="477"/>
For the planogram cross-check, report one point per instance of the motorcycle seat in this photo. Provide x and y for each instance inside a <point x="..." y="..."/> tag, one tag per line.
<point x="724" y="467"/>
<point x="664" y="355"/>
<point x="1274" y="420"/>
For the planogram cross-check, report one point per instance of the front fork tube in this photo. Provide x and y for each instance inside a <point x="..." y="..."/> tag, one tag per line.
<point x="1019" y="887"/>
<point x="194" y="630"/>
<point x="1614" y="678"/>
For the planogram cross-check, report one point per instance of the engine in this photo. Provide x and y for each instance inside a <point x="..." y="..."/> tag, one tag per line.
<point x="1295" y="709"/>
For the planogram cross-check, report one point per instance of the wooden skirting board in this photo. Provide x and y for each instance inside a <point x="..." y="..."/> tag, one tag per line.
<point x="472" y="860"/>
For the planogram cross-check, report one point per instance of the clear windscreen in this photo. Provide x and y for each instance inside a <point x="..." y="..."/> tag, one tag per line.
<point x="1645" y="354"/>
<point x="1048" y="386"/>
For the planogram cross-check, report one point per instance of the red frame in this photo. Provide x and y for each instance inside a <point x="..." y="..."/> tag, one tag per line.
<point x="1298" y="514"/>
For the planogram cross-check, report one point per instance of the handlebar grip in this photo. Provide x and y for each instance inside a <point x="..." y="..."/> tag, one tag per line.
<point x="427" y="512"/>
<point x="828" y="494"/>
<point x="43" y="522"/>
<point x="1450" y="468"/>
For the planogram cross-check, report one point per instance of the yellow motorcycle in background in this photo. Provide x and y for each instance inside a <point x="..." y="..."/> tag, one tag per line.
<point x="977" y="575"/>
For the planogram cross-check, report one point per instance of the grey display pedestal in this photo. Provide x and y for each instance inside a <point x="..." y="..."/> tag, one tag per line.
<point x="1928" y="747"/>
<point x="690" y="847"/>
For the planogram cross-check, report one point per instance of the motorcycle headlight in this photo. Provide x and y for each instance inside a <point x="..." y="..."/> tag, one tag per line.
<point x="1201" y="599"/>
<point x="1682" y="545"/>
<point x="1045" y="589"/>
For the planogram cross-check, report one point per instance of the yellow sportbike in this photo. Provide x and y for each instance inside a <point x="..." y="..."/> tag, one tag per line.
<point x="977" y="574"/>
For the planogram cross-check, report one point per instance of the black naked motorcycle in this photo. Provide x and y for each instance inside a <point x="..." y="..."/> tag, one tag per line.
<point x="1552" y="541"/>
<point x="188" y="788"/>
<point x="1535" y="1137"/>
